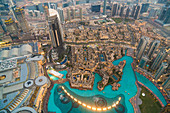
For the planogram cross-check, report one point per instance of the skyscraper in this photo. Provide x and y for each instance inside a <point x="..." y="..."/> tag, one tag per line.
<point x="167" y="16"/>
<point x="133" y="11"/>
<point x="68" y="15"/>
<point x="141" y="47"/>
<point x="95" y="8"/>
<point x="159" y="58"/>
<point x="60" y="12"/>
<point x="164" y="17"/>
<point x="104" y="7"/>
<point x="121" y="11"/>
<point x="11" y="27"/>
<point x="153" y="13"/>
<point x="46" y="12"/>
<point x="81" y="13"/>
<point x="143" y="61"/>
<point x="87" y="1"/>
<point x="118" y="9"/>
<point x="19" y="12"/>
<point x="166" y="84"/>
<point x="55" y="28"/>
<point x="114" y="9"/>
<point x="161" y="69"/>
<point x="73" y="13"/>
<point x="127" y="12"/>
<point x="137" y="12"/>
<point x="144" y="8"/>
<point x="2" y="26"/>
<point x="162" y="14"/>
<point x="153" y="46"/>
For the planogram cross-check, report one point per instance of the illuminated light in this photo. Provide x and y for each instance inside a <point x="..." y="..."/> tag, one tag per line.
<point x="99" y="109"/>
<point x="75" y="99"/>
<point x="117" y="102"/>
<point x="109" y="107"/>
<point x="79" y="102"/>
<point x="119" y="98"/>
<point x="71" y="96"/>
<point x="114" y="105"/>
<point x="104" y="109"/>
<point x="89" y="107"/>
<point x="68" y="94"/>
<point x="62" y="87"/>
<point x="84" y="104"/>
<point x="65" y="91"/>
<point x="93" y="108"/>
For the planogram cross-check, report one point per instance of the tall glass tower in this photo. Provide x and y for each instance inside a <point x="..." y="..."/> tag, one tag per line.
<point x="114" y="9"/>
<point x="19" y="13"/>
<point x="158" y="73"/>
<point x="56" y="31"/>
<point x="153" y="46"/>
<point x="159" y="58"/>
<point x="143" y="61"/>
<point x="141" y="47"/>
<point x="104" y="7"/>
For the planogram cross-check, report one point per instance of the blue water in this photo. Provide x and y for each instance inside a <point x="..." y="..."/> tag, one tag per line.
<point x="115" y="77"/>
<point x="151" y="86"/>
<point x="127" y="84"/>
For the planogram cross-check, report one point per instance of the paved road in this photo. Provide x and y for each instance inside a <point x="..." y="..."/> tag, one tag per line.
<point x="167" y="32"/>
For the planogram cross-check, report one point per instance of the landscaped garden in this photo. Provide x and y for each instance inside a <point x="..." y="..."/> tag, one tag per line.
<point x="149" y="103"/>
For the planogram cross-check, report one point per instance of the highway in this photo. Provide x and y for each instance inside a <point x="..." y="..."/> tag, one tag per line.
<point x="156" y="25"/>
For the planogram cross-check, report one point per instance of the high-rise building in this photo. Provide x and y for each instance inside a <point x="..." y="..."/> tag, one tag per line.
<point x="2" y="26"/>
<point x="12" y="28"/>
<point x="141" y="47"/>
<point x="153" y="13"/>
<point x="162" y="1"/>
<point x="164" y="17"/>
<point x="127" y="12"/>
<point x="95" y="8"/>
<point x="162" y="14"/>
<point x="104" y="7"/>
<point x="60" y="12"/>
<point x="161" y="69"/>
<point x="159" y="58"/>
<point x="55" y="28"/>
<point x="133" y="11"/>
<point x="81" y="13"/>
<point x="87" y="1"/>
<point x="4" y="7"/>
<point x="19" y="12"/>
<point x="114" y="9"/>
<point x="73" y="13"/>
<point x="167" y="16"/>
<point x="166" y="84"/>
<point x="153" y="46"/>
<point x="144" y="8"/>
<point x="122" y="11"/>
<point x="143" y="61"/>
<point x="137" y="12"/>
<point x="46" y="12"/>
<point x="118" y="9"/>
<point x="68" y="15"/>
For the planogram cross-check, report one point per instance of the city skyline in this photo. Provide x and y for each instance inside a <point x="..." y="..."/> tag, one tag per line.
<point x="84" y="56"/>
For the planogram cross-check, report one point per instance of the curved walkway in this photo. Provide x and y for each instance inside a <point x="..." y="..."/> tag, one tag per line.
<point x="25" y="109"/>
